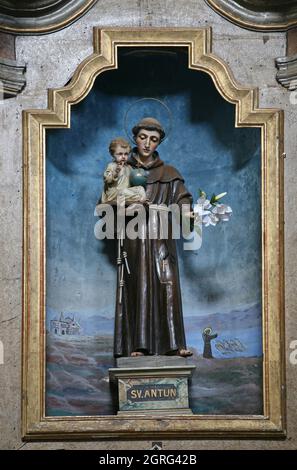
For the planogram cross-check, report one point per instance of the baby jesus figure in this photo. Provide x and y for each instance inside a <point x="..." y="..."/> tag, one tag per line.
<point x="117" y="176"/>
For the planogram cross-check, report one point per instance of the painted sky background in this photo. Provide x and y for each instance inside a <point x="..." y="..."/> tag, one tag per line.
<point x="204" y="145"/>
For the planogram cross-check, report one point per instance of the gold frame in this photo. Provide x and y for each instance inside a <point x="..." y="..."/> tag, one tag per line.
<point x="35" y="425"/>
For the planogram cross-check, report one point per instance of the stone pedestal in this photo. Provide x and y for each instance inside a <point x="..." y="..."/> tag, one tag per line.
<point x="152" y="385"/>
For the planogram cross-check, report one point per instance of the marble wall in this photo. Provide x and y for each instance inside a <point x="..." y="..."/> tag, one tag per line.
<point x="51" y="61"/>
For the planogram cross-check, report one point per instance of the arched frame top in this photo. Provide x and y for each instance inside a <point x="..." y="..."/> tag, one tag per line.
<point x="248" y="114"/>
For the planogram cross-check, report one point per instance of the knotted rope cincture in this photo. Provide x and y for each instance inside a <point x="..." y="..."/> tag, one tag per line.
<point x="122" y="261"/>
<point x="125" y="256"/>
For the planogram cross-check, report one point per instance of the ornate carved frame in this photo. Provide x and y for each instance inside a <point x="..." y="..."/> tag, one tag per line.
<point x="258" y="15"/>
<point x="37" y="426"/>
<point x="37" y="18"/>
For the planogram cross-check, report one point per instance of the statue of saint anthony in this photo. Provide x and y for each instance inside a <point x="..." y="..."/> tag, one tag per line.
<point x="148" y="316"/>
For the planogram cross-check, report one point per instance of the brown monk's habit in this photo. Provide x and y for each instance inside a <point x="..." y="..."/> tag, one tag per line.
<point x="150" y="318"/>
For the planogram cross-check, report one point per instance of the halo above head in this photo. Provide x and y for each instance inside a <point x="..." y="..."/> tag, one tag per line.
<point x="207" y="331"/>
<point x="139" y="112"/>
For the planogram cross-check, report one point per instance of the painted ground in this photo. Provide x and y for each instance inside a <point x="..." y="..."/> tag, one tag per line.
<point x="77" y="380"/>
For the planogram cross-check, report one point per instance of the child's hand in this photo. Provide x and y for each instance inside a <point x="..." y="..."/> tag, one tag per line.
<point x="119" y="167"/>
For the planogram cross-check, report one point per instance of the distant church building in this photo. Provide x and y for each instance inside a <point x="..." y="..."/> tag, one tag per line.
<point x="65" y="326"/>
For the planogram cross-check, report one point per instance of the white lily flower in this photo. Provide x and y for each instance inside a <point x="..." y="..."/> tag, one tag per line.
<point x="211" y="219"/>
<point x="223" y="212"/>
<point x="219" y="209"/>
<point x="203" y="202"/>
<point x="208" y="213"/>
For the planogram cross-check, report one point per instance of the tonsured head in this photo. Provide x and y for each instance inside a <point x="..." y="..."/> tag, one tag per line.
<point x="148" y="133"/>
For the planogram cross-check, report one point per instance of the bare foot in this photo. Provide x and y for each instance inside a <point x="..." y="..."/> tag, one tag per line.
<point x="184" y="353"/>
<point x="136" y="354"/>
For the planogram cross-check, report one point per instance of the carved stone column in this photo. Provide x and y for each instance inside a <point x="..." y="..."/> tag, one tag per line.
<point x="12" y="75"/>
<point x="287" y="66"/>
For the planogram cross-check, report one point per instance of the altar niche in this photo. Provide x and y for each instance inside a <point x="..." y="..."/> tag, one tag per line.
<point x="233" y="286"/>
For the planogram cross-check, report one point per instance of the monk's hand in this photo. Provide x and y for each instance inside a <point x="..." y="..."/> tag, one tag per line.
<point x="190" y="214"/>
